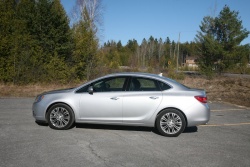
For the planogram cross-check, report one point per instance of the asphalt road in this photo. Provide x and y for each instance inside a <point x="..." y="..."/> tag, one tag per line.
<point x="224" y="142"/>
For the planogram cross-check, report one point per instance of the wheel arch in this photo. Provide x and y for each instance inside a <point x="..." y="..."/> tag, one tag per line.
<point x="52" y="104"/>
<point x="167" y="108"/>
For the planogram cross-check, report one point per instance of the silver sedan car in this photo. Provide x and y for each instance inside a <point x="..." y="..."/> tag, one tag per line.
<point x="133" y="99"/>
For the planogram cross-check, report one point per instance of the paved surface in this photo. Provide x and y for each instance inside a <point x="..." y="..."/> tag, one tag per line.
<point x="224" y="142"/>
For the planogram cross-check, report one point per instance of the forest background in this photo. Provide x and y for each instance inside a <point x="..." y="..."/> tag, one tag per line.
<point x="38" y="45"/>
<point x="41" y="50"/>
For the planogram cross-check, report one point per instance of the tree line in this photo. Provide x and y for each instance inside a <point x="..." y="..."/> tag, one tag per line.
<point x="152" y="53"/>
<point x="35" y="41"/>
<point x="37" y="44"/>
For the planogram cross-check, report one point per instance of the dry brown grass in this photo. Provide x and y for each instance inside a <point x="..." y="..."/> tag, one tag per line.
<point x="232" y="90"/>
<point x="32" y="90"/>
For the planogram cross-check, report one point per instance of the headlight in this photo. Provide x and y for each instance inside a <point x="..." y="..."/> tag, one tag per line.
<point x="39" y="98"/>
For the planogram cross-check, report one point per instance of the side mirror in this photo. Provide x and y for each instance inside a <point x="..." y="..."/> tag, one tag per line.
<point x="91" y="90"/>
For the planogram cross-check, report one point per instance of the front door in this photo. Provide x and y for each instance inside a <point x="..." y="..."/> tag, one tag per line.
<point x="105" y="104"/>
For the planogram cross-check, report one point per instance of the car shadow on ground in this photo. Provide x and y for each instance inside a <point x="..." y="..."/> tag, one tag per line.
<point x="192" y="129"/>
<point x="113" y="127"/>
<point x="129" y="128"/>
<point x="124" y="128"/>
<point x="41" y="123"/>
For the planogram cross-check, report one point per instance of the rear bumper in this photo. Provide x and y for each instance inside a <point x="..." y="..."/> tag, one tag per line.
<point x="200" y="116"/>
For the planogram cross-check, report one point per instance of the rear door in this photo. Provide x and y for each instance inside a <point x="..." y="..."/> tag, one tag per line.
<point x="141" y="100"/>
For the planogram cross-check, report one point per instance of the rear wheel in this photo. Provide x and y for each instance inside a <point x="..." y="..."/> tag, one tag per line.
<point x="170" y="122"/>
<point x="60" y="117"/>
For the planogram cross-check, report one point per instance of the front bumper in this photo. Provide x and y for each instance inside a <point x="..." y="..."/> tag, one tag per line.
<point x="39" y="112"/>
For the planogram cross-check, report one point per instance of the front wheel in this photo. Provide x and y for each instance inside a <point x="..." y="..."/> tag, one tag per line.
<point x="60" y="117"/>
<point x="170" y="122"/>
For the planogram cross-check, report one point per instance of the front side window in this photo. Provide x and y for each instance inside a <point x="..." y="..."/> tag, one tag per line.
<point x="109" y="85"/>
<point x="143" y="84"/>
<point x="106" y="85"/>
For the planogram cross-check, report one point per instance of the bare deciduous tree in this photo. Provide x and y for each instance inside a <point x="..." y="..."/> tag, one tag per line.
<point x="94" y="10"/>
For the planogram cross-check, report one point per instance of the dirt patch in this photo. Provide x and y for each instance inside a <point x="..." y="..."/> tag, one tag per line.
<point x="225" y="89"/>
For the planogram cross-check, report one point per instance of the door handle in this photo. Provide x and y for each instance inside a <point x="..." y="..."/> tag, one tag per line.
<point x="114" y="98"/>
<point x="153" y="97"/>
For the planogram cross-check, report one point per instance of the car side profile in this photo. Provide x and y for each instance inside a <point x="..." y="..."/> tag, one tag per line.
<point x="133" y="99"/>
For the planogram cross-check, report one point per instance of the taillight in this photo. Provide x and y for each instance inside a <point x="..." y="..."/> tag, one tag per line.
<point x="201" y="99"/>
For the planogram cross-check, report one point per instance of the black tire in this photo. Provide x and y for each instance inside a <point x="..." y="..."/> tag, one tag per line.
<point x="60" y="117"/>
<point x="170" y="122"/>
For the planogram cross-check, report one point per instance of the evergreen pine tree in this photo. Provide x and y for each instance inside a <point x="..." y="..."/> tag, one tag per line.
<point x="7" y="19"/>
<point x="220" y="40"/>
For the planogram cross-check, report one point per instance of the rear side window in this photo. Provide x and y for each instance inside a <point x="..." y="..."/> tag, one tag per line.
<point x="143" y="84"/>
<point x="164" y="86"/>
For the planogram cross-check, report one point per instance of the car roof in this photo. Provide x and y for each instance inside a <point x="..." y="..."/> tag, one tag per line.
<point x="133" y="74"/>
<point x="172" y="82"/>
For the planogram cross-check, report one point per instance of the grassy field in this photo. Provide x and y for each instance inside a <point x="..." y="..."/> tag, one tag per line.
<point x="233" y="90"/>
<point x="224" y="89"/>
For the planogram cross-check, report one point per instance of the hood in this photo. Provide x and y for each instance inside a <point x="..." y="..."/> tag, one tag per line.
<point x="59" y="91"/>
